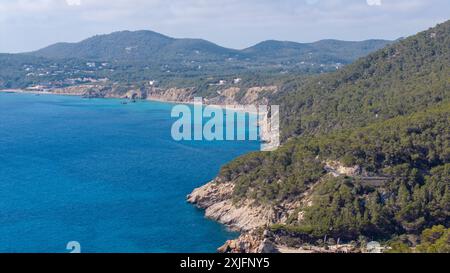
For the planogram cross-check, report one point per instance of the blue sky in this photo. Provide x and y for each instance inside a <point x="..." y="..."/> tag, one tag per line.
<point x="27" y="25"/>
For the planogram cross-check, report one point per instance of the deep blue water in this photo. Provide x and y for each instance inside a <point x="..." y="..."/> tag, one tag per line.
<point x="104" y="174"/>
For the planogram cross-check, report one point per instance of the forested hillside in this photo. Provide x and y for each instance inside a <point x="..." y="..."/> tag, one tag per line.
<point x="325" y="51"/>
<point x="148" y="47"/>
<point x="385" y="121"/>
<point x="411" y="154"/>
<point x="408" y="76"/>
<point x="138" y="47"/>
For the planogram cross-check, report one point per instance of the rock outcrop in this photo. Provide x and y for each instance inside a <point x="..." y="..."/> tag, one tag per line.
<point x="217" y="201"/>
<point x="250" y="242"/>
<point x="254" y="220"/>
<point x="171" y="94"/>
<point x="336" y="168"/>
<point x="257" y="95"/>
<point x="248" y="217"/>
<point x="78" y="90"/>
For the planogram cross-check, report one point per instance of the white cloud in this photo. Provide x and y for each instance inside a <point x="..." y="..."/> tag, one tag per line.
<point x="73" y="2"/>
<point x="374" y="2"/>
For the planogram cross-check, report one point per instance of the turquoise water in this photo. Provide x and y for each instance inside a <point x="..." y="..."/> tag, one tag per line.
<point x="104" y="174"/>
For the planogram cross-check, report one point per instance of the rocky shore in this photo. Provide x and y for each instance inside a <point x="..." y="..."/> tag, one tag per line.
<point x="255" y="221"/>
<point x="251" y="219"/>
<point x="216" y="199"/>
<point x="225" y="96"/>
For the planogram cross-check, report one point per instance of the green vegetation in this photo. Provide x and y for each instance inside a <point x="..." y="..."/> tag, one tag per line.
<point x="403" y="78"/>
<point x="432" y="240"/>
<point x="133" y="58"/>
<point x="412" y="153"/>
<point x="399" y="247"/>
<point x="435" y="240"/>
<point x="325" y="51"/>
<point x="149" y="48"/>
<point x="389" y="114"/>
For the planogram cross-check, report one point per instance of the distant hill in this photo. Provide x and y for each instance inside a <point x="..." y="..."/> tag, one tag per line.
<point x="152" y="47"/>
<point x="321" y="51"/>
<point x="141" y="46"/>
<point x="137" y="56"/>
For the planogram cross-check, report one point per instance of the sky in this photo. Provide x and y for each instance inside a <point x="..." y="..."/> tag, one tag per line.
<point x="27" y="25"/>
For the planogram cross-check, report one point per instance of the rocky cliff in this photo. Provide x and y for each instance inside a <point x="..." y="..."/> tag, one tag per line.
<point x="216" y="199"/>
<point x="248" y="217"/>
<point x="255" y="220"/>
<point x="223" y="96"/>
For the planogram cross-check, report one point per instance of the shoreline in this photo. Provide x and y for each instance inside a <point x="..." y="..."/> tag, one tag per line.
<point x="21" y="91"/>
<point x="232" y="108"/>
<point x="240" y="227"/>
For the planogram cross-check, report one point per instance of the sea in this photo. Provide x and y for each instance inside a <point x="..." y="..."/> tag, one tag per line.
<point x="104" y="176"/>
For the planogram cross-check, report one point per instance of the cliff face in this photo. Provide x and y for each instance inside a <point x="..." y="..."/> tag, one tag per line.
<point x="225" y="96"/>
<point x="251" y="96"/>
<point x="171" y="94"/>
<point x="254" y="220"/>
<point x="248" y="217"/>
<point x="101" y="91"/>
<point x="216" y="199"/>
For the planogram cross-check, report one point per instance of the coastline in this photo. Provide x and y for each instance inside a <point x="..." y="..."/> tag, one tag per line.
<point x="21" y="91"/>
<point x="242" y="220"/>
<point x="126" y="150"/>
<point x="232" y="108"/>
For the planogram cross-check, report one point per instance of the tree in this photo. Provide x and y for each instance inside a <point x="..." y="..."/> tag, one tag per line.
<point x="435" y="240"/>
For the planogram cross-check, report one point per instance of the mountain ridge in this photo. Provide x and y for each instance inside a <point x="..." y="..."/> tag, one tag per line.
<point x="131" y="45"/>
<point x="140" y="56"/>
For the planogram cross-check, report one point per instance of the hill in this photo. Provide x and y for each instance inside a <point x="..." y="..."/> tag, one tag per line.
<point x="137" y="46"/>
<point x="407" y="76"/>
<point x="396" y="182"/>
<point x="151" y="47"/>
<point x="366" y="153"/>
<point x="136" y="57"/>
<point x="326" y="51"/>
